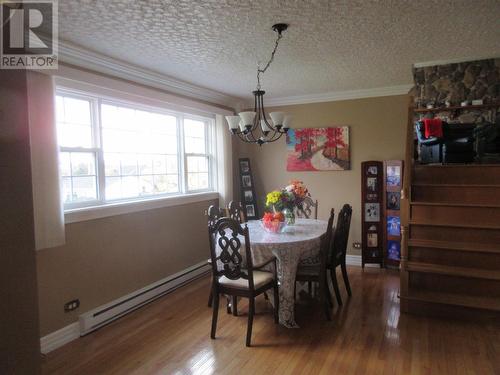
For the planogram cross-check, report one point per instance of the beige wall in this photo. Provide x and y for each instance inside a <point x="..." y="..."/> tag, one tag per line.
<point x="377" y="132"/>
<point x="108" y="258"/>
<point x="19" y="340"/>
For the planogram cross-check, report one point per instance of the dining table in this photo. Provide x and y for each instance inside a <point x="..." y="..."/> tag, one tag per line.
<point x="297" y="243"/>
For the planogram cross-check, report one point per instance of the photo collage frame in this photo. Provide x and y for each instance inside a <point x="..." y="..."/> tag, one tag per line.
<point x="393" y="183"/>
<point x="247" y="189"/>
<point x="372" y="211"/>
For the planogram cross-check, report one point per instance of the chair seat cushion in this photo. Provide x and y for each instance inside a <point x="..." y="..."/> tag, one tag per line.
<point x="260" y="278"/>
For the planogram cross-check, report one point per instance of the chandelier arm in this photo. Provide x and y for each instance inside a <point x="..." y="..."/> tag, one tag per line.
<point x="276" y="135"/>
<point x="271" y="128"/>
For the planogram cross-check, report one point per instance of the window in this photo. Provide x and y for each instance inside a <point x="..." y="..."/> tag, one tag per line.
<point x="112" y="151"/>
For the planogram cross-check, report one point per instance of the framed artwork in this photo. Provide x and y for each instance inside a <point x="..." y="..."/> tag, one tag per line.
<point x="248" y="195"/>
<point x="393" y="226"/>
<point x="372" y="212"/>
<point x="318" y="149"/>
<point x="393" y="174"/>
<point x="371" y="184"/>
<point x="371" y="197"/>
<point x="244" y="166"/>
<point x="394" y="250"/>
<point x="246" y="181"/>
<point x="372" y="239"/>
<point x="372" y="170"/>
<point x="250" y="210"/>
<point x="393" y="200"/>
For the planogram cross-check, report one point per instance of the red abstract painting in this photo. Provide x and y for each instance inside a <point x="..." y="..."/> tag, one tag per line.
<point x="318" y="149"/>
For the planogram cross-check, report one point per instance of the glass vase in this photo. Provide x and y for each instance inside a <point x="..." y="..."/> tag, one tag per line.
<point x="289" y="216"/>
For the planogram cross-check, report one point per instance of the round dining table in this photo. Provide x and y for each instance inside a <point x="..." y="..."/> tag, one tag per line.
<point x="297" y="243"/>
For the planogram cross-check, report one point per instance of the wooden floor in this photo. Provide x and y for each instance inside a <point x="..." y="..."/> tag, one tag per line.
<point x="367" y="336"/>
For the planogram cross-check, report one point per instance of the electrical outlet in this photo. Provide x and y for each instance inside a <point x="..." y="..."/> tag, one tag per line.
<point x="356" y="245"/>
<point x="71" y="305"/>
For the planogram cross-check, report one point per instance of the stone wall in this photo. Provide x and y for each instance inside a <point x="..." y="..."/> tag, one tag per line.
<point x="455" y="83"/>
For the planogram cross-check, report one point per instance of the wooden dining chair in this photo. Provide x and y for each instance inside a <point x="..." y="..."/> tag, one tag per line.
<point x="305" y="210"/>
<point x="213" y="214"/>
<point x="338" y="251"/>
<point x="228" y="275"/>
<point x="236" y="212"/>
<point x="317" y="273"/>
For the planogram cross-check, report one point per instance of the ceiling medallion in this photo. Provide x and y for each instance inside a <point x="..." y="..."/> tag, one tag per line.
<point x="256" y="127"/>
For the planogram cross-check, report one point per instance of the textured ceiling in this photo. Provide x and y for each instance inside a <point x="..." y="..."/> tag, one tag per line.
<point x="330" y="45"/>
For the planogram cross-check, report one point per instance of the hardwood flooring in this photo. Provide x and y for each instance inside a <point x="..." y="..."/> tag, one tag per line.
<point x="367" y="336"/>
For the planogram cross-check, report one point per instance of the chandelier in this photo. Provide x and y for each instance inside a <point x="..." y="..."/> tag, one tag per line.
<point x="254" y="126"/>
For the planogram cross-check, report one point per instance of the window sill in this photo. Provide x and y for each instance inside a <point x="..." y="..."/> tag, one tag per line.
<point x="114" y="209"/>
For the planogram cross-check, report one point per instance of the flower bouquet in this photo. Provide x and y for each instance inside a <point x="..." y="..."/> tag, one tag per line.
<point x="280" y="204"/>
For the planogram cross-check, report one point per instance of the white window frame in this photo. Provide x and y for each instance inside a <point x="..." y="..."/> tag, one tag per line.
<point x="77" y="211"/>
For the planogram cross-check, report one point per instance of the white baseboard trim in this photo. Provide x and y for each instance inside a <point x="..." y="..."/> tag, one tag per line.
<point x="355" y="260"/>
<point x="148" y="294"/>
<point x="60" y="337"/>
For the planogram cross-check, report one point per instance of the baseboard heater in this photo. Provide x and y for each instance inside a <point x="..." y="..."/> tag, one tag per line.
<point x="105" y="314"/>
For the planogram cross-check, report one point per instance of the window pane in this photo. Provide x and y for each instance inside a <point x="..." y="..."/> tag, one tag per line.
<point x="112" y="164"/>
<point x="70" y="135"/>
<point x="130" y="187"/>
<point x="172" y="183"/>
<point x="197" y="164"/>
<point x="145" y="163"/>
<point x="194" y="128"/>
<point x="113" y="188"/>
<point x="146" y="185"/>
<point x="160" y="184"/>
<point x="159" y="164"/>
<point x="66" y="190"/>
<point x="84" y="189"/>
<point x="64" y="164"/>
<point x="129" y="164"/>
<point x="83" y="164"/>
<point x="73" y="117"/>
<point x="194" y="136"/>
<point x="76" y="111"/>
<point x="172" y="164"/>
<point x="195" y="145"/>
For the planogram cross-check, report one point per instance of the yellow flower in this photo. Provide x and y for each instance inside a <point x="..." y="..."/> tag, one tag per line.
<point x="273" y="197"/>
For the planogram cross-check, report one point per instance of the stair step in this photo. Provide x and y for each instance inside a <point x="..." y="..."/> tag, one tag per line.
<point x="433" y="223"/>
<point x="484" y="195"/>
<point x="453" y="271"/>
<point x="453" y="204"/>
<point x="464" y="185"/>
<point x="479" y="174"/>
<point x="458" y="246"/>
<point x="478" y="302"/>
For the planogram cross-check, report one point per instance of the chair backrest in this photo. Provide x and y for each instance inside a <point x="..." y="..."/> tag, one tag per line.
<point x="236" y="211"/>
<point x="225" y="251"/>
<point x="326" y="241"/>
<point x="341" y="235"/>
<point x="213" y="214"/>
<point x="305" y="209"/>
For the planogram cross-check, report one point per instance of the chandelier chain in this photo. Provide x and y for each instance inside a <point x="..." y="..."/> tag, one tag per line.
<point x="269" y="62"/>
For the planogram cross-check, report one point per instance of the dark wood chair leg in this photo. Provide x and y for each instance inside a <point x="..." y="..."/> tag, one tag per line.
<point x="333" y="275"/>
<point x="346" y="279"/>
<point x="215" y="313"/>
<point x="324" y="297"/>
<point x="328" y="292"/>
<point x="251" y="312"/>
<point x="228" y="304"/>
<point x="276" y="304"/>
<point x="211" y="295"/>
<point x="235" y="306"/>
<point x="309" y="288"/>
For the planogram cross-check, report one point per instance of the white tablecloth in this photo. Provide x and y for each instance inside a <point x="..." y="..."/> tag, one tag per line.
<point x="298" y="242"/>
